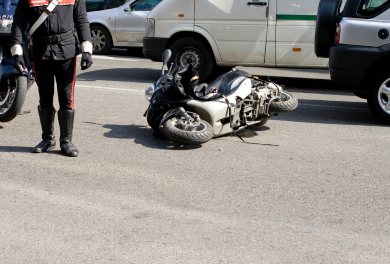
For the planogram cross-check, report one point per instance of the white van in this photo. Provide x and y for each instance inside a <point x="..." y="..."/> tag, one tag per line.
<point x="226" y="33"/>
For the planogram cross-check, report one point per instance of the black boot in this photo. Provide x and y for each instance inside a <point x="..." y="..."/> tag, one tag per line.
<point x="66" y="118"/>
<point x="46" y="115"/>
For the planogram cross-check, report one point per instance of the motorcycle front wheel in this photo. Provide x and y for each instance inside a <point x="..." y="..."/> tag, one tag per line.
<point x="12" y="97"/>
<point x="173" y="130"/>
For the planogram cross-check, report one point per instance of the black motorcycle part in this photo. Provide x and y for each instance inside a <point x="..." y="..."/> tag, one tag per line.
<point x="327" y="18"/>
<point x="155" y="113"/>
<point x="12" y="96"/>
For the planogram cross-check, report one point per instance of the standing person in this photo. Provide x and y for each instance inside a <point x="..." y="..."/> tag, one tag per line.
<point x="54" y="54"/>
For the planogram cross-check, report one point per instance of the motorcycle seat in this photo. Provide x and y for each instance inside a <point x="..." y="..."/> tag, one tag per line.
<point x="228" y="83"/>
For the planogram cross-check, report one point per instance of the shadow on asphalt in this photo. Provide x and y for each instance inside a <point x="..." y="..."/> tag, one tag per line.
<point x="144" y="136"/>
<point x="133" y="52"/>
<point x="331" y="112"/>
<point x="16" y="149"/>
<point x="138" y="75"/>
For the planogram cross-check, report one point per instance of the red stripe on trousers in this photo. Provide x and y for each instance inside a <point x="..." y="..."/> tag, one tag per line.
<point x="74" y="80"/>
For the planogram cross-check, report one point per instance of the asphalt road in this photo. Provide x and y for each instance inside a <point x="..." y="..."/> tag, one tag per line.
<point x="314" y="188"/>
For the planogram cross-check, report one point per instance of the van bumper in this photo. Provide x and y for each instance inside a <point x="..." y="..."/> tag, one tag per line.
<point x="348" y="64"/>
<point x="154" y="48"/>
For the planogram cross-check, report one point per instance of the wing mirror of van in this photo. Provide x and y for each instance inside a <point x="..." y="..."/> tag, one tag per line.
<point x="128" y="8"/>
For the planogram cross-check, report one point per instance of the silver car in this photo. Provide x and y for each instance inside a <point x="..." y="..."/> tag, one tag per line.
<point x="119" y="24"/>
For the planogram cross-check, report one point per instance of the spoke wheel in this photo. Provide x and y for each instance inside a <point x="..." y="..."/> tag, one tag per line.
<point x="378" y="96"/>
<point x="180" y="130"/>
<point x="101" y="40"/>
<point x="384" y="97"/>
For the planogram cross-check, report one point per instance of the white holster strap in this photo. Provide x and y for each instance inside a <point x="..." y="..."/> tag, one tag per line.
<point x="16" y="50"/>
<point x="43" y="16"/>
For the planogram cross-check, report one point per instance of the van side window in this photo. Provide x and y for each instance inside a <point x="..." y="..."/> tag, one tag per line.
<point x="371" y="7"/>
<point x="144" y="5"/>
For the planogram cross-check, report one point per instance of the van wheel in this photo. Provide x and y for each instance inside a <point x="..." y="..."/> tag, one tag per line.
<point x="378" y="96"/>
<point x="187" y="51"/>
<point x="101" y="40"/>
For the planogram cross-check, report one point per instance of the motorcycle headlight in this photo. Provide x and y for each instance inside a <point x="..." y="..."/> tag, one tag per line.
<point x="149" y="92"/>
<point x="150" y="28"/>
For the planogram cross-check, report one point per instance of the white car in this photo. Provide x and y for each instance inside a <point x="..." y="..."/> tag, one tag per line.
<point x="119" y="24"/>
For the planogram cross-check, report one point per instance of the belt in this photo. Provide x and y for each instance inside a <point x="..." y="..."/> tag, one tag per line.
<point x="54" y="38"/>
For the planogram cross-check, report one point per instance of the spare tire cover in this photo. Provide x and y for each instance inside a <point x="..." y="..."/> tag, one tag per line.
<point x="327" y="17"/>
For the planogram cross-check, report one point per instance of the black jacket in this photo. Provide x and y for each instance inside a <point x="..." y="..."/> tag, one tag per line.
<point x="69" y="14"/>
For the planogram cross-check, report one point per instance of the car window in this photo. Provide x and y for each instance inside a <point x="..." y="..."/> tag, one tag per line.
<point x="371" y="7"/>
<point x="144" y="5"/>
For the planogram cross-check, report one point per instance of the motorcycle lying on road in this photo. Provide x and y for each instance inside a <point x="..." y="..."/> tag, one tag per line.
<point x="191" y="113"/>
<point x="13" y="85"/>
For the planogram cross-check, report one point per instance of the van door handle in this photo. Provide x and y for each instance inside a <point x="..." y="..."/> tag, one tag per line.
<point x="260" y="3"/>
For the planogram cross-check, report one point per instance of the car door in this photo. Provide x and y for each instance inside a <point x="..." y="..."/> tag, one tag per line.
<point x="239" y="28"/>
<point x="130" y="21"/>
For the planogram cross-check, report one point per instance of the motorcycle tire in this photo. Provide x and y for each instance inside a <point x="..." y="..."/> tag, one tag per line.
<point x="287" y="103"/>
<point x="173" y="131"/>
<point x="12" y="97"/>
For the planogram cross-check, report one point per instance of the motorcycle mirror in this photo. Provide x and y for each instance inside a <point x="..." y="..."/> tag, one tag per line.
<point x="166" y="56"/>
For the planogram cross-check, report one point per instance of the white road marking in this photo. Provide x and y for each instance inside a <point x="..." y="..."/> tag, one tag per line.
<point x="107" y="88"/>
<point x="335" y="107"/>
<point x="101" y="57"/>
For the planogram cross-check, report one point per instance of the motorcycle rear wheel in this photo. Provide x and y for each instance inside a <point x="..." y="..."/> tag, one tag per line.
<point x="12" y="97"/>
<point x="203" y="133"/>
<point x="288" y="102"/>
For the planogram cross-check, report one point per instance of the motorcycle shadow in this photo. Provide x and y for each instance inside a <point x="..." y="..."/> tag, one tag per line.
<point x="331" y="112"/>
<point x="144" y="136"/>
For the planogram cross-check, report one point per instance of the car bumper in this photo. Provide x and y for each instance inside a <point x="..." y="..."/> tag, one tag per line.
<point x="348" y="64"/>
<point x="154" y="48"/>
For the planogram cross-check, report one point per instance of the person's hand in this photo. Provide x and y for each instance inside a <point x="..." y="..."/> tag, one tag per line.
<point x="19" y="64"/>
<point x="86" y="60"/>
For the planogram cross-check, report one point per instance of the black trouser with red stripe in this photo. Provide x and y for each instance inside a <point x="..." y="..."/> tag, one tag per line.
<point x="64" y="72"/>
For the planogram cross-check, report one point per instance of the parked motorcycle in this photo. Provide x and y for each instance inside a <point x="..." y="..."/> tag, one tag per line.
<point x="191" y="113"/>
<point x="13" y="85"/>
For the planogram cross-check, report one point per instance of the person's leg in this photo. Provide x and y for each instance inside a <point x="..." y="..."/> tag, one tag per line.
<point x="65" y="73"/>
<point x="44" y="76"/>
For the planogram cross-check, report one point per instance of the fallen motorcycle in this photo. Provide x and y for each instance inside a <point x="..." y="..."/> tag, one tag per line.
<point x="13" y="85"/>
<point x="191" y="113"/>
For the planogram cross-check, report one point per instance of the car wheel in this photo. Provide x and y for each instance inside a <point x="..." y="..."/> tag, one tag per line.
<point x="193" y="51"/>
<point x="101" y="40"/>
<point x="327" y="17"/>
<point x="378" y="96"/>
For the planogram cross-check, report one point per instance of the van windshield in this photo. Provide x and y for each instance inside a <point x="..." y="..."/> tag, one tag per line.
<point x="371" y="7"/>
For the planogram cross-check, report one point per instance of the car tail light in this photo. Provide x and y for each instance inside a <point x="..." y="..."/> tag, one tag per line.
<point x="338" y="32"/>
<point x="150" y="28"/>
